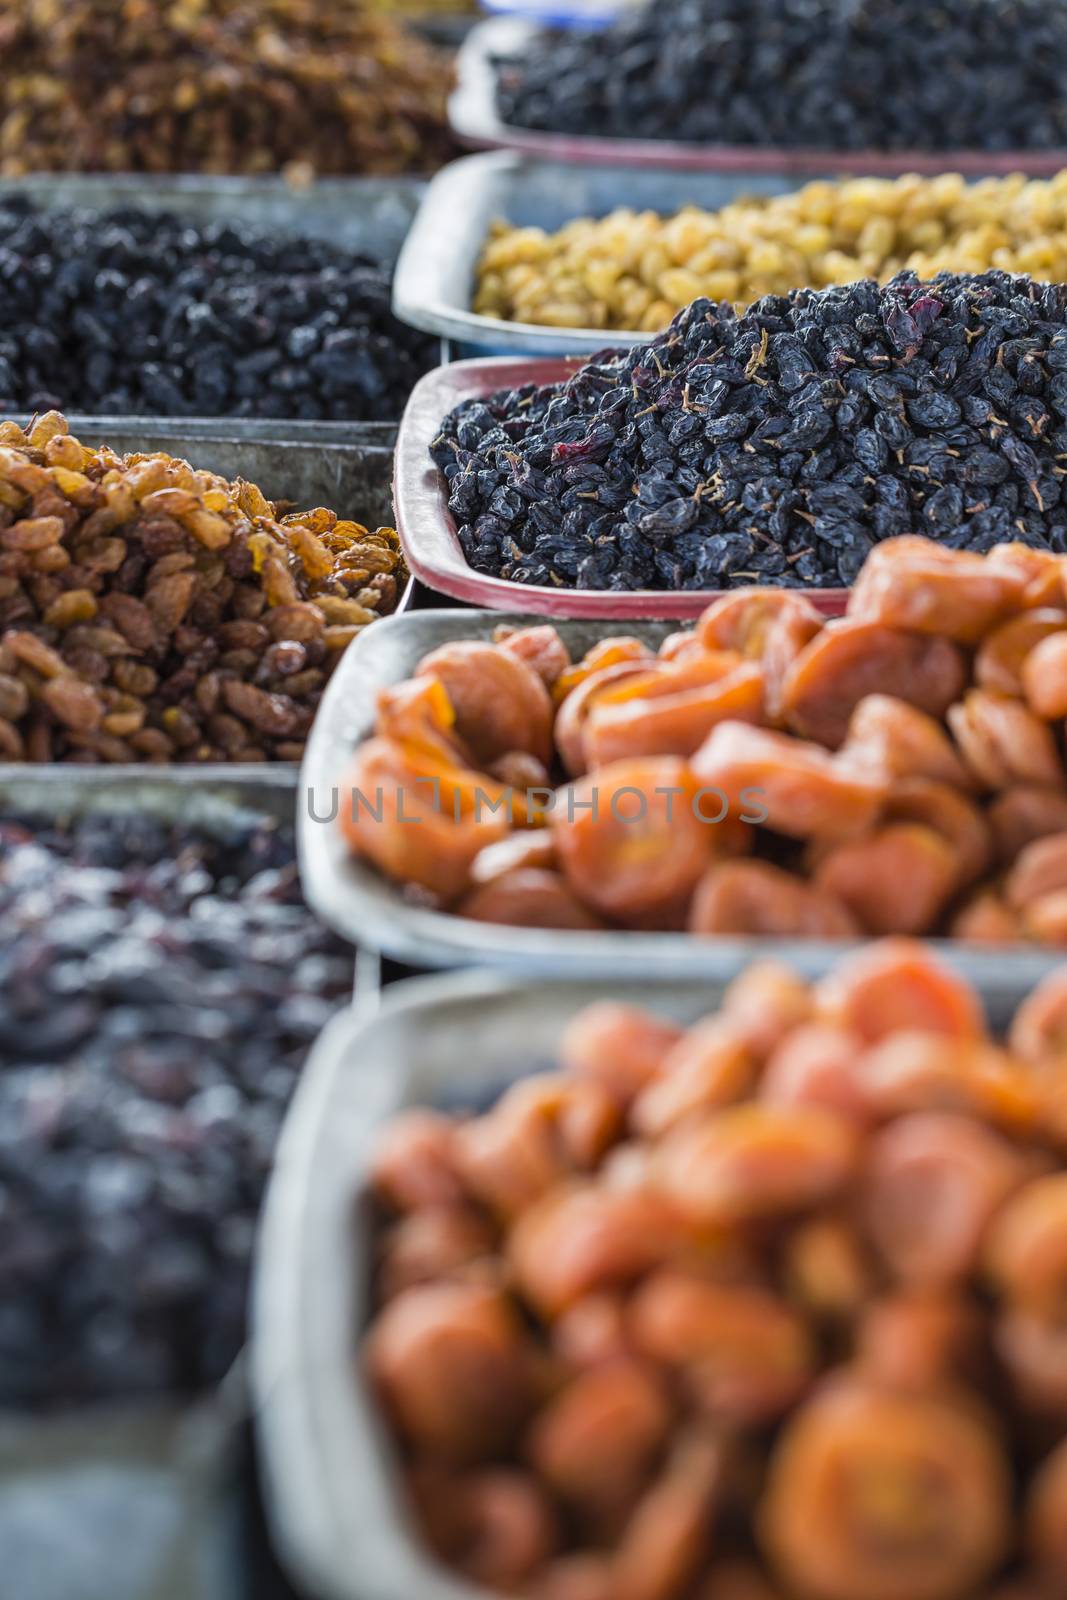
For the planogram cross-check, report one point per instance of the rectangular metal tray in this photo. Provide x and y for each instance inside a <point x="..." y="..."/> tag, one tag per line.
<point x="359" y="903"/>
<point x="367" y="214"/>
<point x="331" y="1479"/>
<point x="351" y="477"/>
<point x="200" y="797"/>
<point x="428" y="531"/>
<point x="473" y="115"/>
<point x="435" y="275"/>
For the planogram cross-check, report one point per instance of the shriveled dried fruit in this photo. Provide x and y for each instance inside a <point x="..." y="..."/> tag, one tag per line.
<point x="219" y="88"/>
<point x="152" y="634"/>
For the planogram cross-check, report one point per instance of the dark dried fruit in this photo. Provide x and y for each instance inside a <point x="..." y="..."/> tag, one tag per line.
<point x="138" y="313"/>
<point x="776" y="447"/>
<point x="871" y="75"/>
<point x="160" y="988"/>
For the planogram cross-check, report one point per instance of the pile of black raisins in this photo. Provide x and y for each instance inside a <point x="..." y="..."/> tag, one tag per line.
<point x="832" y="74"/>
<point x="159" y="990"/>
<point x="141" y="313"/>
<point x="778" y="446"/>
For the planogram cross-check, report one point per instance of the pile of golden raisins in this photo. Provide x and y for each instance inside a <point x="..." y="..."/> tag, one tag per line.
<point x="218" y="86"/>
<point x="634" y="270"/>
<point x="151" y="612"/>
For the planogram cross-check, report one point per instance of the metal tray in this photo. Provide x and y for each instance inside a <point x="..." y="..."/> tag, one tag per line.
<point x="310" y="470"/>
<point x="119" y="1502"/>
<point x="200" y="797"/>
<point x="359" y="903"/>
<point x="428" y="531"/>
<point x="330" y="1473"/>
<point x="473" y="115"/>
<point x="367" y="214"/>
<point x="434" y="281"/>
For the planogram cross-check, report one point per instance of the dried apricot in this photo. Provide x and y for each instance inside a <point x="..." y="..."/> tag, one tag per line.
<point x="896" y="984"/>
<point x="629" y="840"/>
<point x="753" y="897"/>
<point x="617" y="1045"/>
<point x="500" y="702"/>
<point x="756" y="1160"/>
<point x="892" y="1496"/>
<point x="853" y="658"/>
<point x="449" y="1362"/>
<point x="792" y="786"/>
<point x="933" y="1184"/>
<point x="744" y="1354"/>
<point x="919" y="585"/>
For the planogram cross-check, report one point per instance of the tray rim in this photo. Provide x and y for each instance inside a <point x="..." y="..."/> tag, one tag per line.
<point x="474" y="121"/>
<point x="418" y="297"/>
<point x="359" y="904"/>
<point x="428" y="531"/>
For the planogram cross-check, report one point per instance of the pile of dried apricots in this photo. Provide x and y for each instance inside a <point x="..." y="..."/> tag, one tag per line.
<point x="897" y="770"/>
<point x="768" y="1309"/>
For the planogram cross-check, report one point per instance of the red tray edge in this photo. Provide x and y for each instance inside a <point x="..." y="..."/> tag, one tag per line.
<point x="428" y="532"/>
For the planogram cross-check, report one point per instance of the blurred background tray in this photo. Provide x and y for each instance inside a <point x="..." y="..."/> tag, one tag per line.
<point x="474" y="119"/>
<point x="435" y="275"/>
<point x="367" y="214"/>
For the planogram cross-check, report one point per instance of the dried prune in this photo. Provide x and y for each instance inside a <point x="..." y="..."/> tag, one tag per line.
<point x="867" y="76"/>
<point x="117" y="298"/>
<point x="159" y="988"/>
<point x="752" y="432"/>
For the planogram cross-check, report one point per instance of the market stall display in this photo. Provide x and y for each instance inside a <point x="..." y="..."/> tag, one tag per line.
<point x="760" y="1304"/>
<point x="142" y="313"/>
<point x="876" y="75"/>
<point x="304" y="86"/>
<point x="758" y="1292"/>
<point x="161" y="983"/>
<point x="777" y="446"/>
<point x="634" y="270"/>
<point x="771" y="773"/>
<point x="150" y="612"/>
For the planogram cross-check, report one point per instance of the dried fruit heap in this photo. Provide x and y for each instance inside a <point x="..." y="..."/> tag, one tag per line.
<point x="217" y="86"/>
<point x="777" y="446"/>
<point x="635" y="270"/>
<point x="871" y="74"/>
<point x="159" y="988"/>
<point x="136" y="313"/>
<point x="769" y="1307"/>
<point x="152" y="612"/>
<point x="898" y="770"/>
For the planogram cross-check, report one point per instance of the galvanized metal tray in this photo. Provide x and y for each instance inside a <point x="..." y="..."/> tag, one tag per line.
<point x="351" y="477"/>
<point x="207" y="798"/>
<point x="119" y="1502"/>
<point x="346" y="466"/>
<point x="435" y="275"/>
<point x="359" y="903"/>
<point x="331" y="1479"/>
<point x="367" y="214"/>
<point x="473" y="115"/>
<point x="428" y="530"/>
